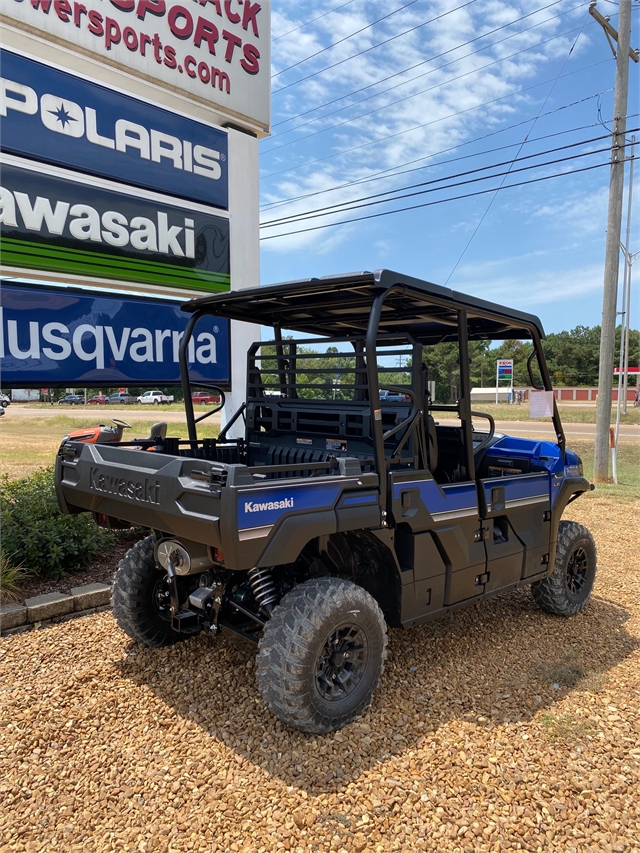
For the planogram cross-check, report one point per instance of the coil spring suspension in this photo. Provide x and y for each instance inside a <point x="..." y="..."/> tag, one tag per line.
<point x="263" y="588"/>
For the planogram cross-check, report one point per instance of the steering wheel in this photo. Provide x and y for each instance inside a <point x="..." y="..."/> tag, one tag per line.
<point x="121" y="424"/>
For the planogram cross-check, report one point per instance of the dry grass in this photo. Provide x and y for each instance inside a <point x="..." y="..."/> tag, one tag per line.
<point x="28" y="444"/>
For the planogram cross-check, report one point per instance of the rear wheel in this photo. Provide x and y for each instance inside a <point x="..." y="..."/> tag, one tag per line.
<point x="140" y="598"/>
<point x="566" y="591"/>
<point x="321" y="655"/>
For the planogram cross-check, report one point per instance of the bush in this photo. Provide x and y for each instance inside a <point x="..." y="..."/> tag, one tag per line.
<point x="36" y="535"/>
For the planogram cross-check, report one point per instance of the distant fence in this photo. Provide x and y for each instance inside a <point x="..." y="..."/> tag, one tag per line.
<point x="568" y="393"/>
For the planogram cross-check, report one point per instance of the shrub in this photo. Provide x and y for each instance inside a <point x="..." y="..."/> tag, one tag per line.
<point x="11" y="578"/>
<point x="36" y="535"/>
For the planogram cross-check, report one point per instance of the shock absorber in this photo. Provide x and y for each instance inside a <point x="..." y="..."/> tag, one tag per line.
<point x="263" y="588"/>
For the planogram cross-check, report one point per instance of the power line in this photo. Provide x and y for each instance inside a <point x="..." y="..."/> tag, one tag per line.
<point x="374" y="46"/>
<point x="312" y="21"/>
<point x="380" y="176"/>
<point x="553" y="85"/>
<point x="418" y="64"/>
<point x="428" y="123"/>
<point x="386" y="174"/>
<point x="341" y="205"/>
<point x="346" y="38"/>
<point x="414" y="94"/>
<point x="438" y="201"/>
<point x="347" y="206"/>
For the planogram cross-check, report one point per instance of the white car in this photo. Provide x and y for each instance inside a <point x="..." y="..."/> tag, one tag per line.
<point x="155" y="397"/>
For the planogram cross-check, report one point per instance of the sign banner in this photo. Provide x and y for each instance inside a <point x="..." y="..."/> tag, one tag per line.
<point x="53" y="222"/>
<point x="540" y="404"/>
<point x="58" y="118"/>
<point x="505" y="368"/>
<point x="62" y="338"/>
<point x="215" y="50"/>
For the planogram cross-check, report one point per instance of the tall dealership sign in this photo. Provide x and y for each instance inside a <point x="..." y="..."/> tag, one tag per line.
<point x="212" y="51"/>
<point x="129" y="143"/>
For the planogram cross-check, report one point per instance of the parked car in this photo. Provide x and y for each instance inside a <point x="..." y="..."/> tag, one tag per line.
<point x="98" y="399"/>
<point x="5" y="400"/>
<point x="393" y="397"/>
<point x="1" y="411"/>
<point x="121" y="397"/>
<point x="155" y="397"/>
<point x="204" y="397"/>
<point x="72" y="400"/>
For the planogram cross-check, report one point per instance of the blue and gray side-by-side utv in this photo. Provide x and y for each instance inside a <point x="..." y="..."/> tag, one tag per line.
<point x="335" y="510"/>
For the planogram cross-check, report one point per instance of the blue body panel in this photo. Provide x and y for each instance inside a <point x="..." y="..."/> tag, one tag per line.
<point x="265" y="507"/>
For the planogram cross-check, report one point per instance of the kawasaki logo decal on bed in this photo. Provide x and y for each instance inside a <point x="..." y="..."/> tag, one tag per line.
<point x="249" y="506"/>
<point x="259" y="508"/>
<point x="143" y="491"/>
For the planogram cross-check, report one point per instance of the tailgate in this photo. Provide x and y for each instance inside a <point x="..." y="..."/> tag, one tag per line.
<point x="172" y="494"/>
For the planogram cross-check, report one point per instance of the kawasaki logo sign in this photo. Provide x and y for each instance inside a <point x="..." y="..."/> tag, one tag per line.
<point x="52" y="116"/>
<point x="54" y="223"/>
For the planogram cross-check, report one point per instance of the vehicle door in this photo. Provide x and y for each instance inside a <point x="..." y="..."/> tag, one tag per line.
<point x="438" y="540"/>
<point x="515" y="510"/>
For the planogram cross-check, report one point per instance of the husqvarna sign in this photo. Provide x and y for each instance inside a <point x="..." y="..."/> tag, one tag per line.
<point x="216" y="51"/>
<point x="55" y="117"/>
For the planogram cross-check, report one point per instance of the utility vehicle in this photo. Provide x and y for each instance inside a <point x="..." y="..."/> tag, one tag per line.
<point x="333" y="514"/>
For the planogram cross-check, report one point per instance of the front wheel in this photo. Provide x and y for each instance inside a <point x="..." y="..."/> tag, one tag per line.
<point x="140" y="598"/>
<point x="321" y="655"/>
<point x="566" y="591"/>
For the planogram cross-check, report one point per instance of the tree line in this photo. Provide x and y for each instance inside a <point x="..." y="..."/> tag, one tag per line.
<point x="572" y="359"/>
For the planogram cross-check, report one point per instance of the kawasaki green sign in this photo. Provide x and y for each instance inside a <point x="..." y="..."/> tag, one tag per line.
<point x="54" y="222"/>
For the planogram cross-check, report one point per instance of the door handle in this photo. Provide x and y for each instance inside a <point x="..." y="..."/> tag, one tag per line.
<point x="497" y="499"/>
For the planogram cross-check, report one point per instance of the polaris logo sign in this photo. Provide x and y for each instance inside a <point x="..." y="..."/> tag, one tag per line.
<point x="250" y="506"/>
<point x="55" y="117"/>
<point x="50" y="222"/>
<point x="61" y="338"/>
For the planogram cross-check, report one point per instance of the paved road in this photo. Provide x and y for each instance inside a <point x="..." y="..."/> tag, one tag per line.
<point x="545" y="430"/>
<point x="95" y="414"/>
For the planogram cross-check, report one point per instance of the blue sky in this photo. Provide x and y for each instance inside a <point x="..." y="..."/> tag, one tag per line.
<point x="467" y="77"/>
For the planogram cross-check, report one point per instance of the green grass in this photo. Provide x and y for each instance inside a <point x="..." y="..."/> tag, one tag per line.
<point x="570" y="413"/>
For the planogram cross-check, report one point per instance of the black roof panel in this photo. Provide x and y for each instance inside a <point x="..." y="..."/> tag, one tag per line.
<point x="340" y="305"/>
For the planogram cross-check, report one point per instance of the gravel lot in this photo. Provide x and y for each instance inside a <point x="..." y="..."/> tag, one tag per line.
<point x="497" y="728"/>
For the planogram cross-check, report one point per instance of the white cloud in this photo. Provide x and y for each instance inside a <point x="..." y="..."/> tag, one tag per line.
<point x="412" y="121"/>
<point x="529" y="288"/>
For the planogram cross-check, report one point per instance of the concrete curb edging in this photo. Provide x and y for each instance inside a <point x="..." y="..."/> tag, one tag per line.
<point x="54" y="607"/>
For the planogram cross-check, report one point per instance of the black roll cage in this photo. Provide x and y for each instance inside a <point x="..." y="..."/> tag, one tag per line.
<point x="453" y="314"/>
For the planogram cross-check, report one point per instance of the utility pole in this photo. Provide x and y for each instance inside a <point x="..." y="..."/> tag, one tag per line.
<point x="614" y="225"/>
<point x="626" y="303"/>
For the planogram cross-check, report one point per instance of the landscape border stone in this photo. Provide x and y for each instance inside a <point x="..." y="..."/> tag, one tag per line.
<point x="52" y="607"/>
